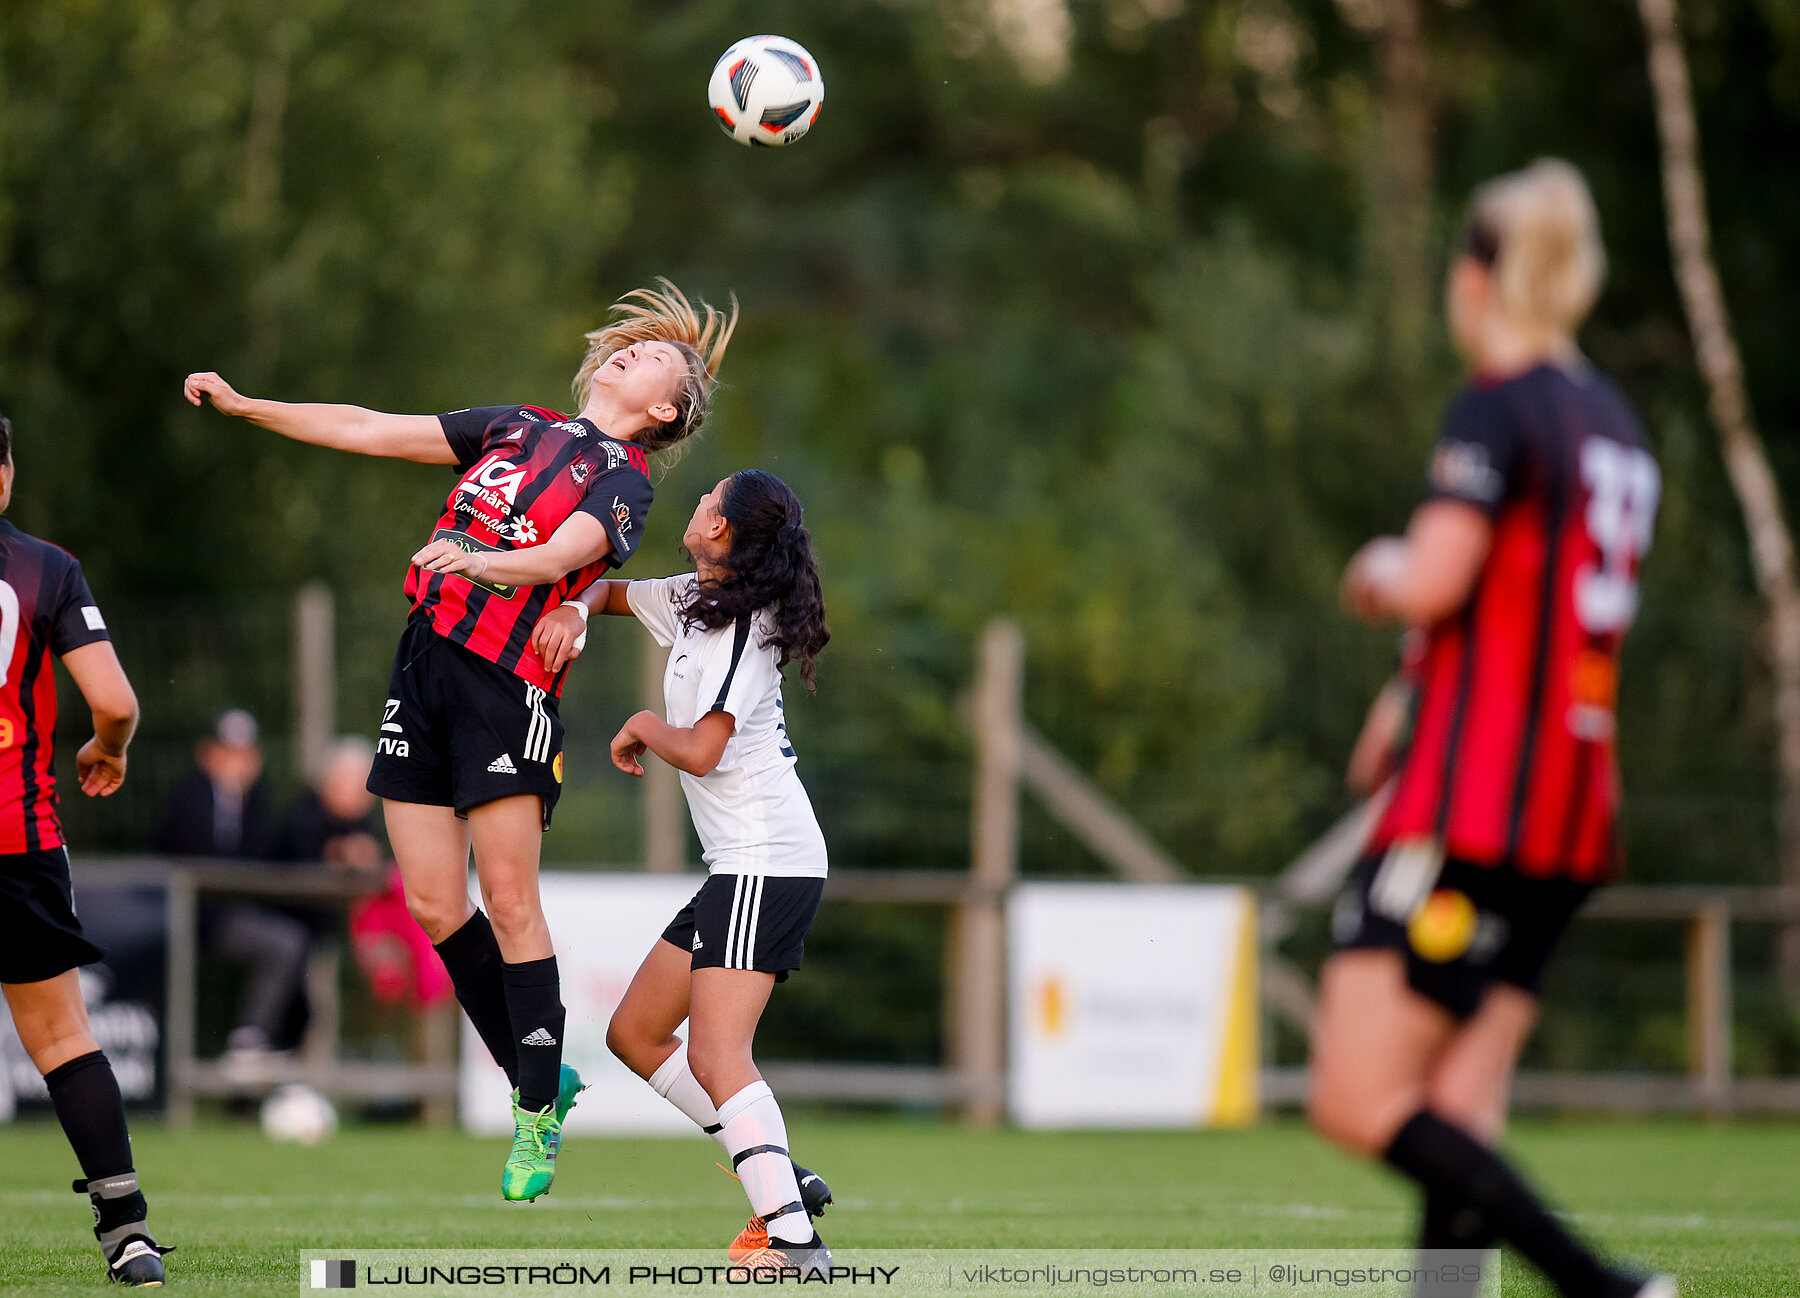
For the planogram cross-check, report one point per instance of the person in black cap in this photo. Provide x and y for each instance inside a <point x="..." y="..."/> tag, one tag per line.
<point x="221" y="809"/>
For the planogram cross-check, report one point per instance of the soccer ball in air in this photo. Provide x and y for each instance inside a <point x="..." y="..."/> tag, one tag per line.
<point x="766" y="90"/>
<point x="298" y="1115"/>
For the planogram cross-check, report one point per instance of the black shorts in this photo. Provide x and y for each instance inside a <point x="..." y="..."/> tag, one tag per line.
<point x="459" y="730"/>
<point x="748" y="921"/>
<point x="39" y="934"/>
<point x="1460" y="926"/>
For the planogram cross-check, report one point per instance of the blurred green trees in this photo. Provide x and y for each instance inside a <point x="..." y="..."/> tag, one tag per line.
<point x="1082" y="320"/>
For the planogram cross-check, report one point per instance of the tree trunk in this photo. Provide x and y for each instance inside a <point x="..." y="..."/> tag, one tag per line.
<point x="1746" y="460"/>
<point x="1406" y="132"/>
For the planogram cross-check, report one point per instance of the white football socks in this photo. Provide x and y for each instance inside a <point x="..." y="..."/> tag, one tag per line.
<point x="756" y="1138"/>
<point x="675" y="1082"/>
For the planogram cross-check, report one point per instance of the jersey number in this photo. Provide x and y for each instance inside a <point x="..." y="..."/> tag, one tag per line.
<point x="787" y="745"/>
<point x="1623" y="488"/>
<point x="9" y="628"/>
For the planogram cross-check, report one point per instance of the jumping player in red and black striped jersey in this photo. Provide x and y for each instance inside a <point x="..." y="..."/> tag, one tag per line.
<point x="45" y="610"/>
<point x="470" y="751"/>
<point x="1520" y="575"/>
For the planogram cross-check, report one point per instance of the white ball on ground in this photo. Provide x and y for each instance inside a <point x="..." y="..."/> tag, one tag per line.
<point x="296" y="1114"/>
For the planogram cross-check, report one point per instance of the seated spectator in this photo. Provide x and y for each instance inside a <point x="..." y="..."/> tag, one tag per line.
<point x="221" y="806"/>
<point x="334" y="821"/>
<point x="221" y="809"/>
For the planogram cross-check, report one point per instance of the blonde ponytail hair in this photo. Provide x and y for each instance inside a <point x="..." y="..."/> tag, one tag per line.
<point x="664" y="314"/>
<point x="1541" y="233"/>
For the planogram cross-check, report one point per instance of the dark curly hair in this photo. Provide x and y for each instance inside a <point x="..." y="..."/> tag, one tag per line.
<point x="770" y="566"/>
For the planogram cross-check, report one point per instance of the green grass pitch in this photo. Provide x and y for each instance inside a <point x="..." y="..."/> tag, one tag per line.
<point x="1718" y="1204"/>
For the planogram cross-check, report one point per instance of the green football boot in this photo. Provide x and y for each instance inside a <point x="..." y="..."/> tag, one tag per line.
<point x="566" y="1092"/>
<point x="531" y="1166"/>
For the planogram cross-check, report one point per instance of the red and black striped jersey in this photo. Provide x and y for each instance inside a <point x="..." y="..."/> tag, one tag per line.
<point x="525" y="470"/>
<point x="1513" y="758"/>
<point x="45" y="608"/>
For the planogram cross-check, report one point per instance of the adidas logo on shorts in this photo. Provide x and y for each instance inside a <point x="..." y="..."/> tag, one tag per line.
<point x="697" y="942"/>
<point x="502" y="765"/>
<point x="538" y="1037"/>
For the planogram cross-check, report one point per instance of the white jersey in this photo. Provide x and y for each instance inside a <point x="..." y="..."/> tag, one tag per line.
<point x="751" y="811"/>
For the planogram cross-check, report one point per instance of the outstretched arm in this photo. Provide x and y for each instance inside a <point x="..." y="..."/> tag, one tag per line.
<point x="695" y="749"/>
<point x="343" y="428"/>
<point x="100" y="764"/>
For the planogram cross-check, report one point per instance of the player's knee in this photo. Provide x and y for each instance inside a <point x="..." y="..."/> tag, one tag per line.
<point x="1321" y="1095"/>
<point x="1478" y="1109"/>
<point x="710" y="1064"/>
<point x="1321" y="1114"/>
<point x="439" y="916"/>
<point x="1342" y="1128"/>
<point x="703" y="1066"/>
<point x="53" y="1041"/>
<point x="513" y="910"/>
<point x="625" y="1040"/>
<point x="1344" y="1121"/>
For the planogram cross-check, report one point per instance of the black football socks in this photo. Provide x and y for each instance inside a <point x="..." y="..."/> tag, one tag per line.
<point x="534" y="1002"/>
<point x="1451" y="1165"/>
<point x="85" y="1095"/>
<point x="472" y="957"/>
<point x="1451" y="1223"/>
<point x="1453" y="1245"/>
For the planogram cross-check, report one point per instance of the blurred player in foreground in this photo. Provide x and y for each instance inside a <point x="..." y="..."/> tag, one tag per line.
<point x="45" y="609"/>
<point x="542" y="506"/>
<point x="753" y="606"/>
<point x="1521" y="569"/>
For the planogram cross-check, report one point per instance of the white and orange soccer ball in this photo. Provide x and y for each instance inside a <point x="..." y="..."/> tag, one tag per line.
<point x="766" y="90"/>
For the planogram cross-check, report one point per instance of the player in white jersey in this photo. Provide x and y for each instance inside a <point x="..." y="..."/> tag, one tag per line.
<point x="752" y="607"/>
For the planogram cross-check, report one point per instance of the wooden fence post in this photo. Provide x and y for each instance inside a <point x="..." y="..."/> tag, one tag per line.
<point x="315" y="677"/>
<point x="977" y="945"/>
<point x="1709" y="1006"/>
<point x="440" y="1030"/>
<point x="178" y="1040"/>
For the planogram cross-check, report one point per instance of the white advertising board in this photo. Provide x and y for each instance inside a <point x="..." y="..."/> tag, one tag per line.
<point x="602" y="926"/>
<point x="1131" y="1005"/>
